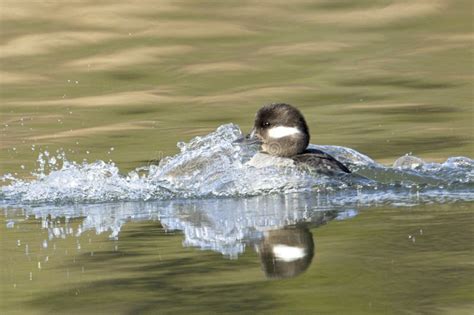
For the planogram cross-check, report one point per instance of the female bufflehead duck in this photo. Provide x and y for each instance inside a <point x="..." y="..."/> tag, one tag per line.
<point x="282" y="131"/>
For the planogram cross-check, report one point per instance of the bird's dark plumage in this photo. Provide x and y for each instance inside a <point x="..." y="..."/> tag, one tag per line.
<point x="320" y="161"/>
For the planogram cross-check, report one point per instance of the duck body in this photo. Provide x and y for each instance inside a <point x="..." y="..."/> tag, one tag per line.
<point x="281" y="131"/>
<point x="320" y="162"/>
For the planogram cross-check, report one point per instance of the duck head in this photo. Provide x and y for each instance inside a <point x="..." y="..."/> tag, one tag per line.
<point x="280" y="129"/>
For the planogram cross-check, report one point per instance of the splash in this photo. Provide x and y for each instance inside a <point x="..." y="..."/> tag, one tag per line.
<point x="213" y="166"/>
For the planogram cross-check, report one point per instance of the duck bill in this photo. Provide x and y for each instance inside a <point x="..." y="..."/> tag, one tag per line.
<point x="249" y="139"/>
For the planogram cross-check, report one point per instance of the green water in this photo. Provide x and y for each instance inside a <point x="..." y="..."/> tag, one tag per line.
<point x="383" y="261"/>
<point x="384" y="78"/>
<point x="380" y="77"/>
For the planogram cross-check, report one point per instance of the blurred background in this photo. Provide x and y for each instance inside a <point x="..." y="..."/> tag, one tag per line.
<point x="127" y="81"/>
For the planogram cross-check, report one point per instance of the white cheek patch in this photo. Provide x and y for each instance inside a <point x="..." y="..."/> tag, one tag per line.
<point x="288" y="253"/>
<point x="282" y="131"/>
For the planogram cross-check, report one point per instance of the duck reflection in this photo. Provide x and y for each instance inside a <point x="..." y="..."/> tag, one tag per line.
<point x="287" y="252"/>
<point x="276" y="226"/>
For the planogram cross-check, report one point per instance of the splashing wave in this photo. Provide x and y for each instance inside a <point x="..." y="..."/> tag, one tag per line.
<point x="213" y="166"/>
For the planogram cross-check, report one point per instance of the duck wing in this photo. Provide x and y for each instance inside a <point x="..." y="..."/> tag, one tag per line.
<point x="320" y="161"/>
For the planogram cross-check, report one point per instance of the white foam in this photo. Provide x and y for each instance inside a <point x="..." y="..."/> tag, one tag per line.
<point x="261" y="160"/>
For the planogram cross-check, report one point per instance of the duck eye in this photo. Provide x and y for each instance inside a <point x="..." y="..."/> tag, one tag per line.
<point x="266" y="124"/>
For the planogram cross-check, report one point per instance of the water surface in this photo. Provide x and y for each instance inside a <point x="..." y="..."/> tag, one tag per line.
<point x="101" y="212"/>
<point x="380" y="259"/>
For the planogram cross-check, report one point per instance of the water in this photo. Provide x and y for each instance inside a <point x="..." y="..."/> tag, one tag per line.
<point x="101" y="212"/>
<point x="217" y="197"/>
<point x="214" y="166"/>
<point x="261" y="253"/>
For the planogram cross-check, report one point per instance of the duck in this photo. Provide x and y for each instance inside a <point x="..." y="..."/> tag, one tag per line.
<point x="281" y="130"/>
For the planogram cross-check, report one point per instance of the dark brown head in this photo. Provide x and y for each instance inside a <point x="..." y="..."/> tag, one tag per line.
<point x="281" y="129"/>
